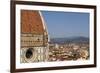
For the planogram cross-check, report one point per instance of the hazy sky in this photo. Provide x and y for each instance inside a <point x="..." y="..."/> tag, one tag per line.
<point x="66" y="24"/>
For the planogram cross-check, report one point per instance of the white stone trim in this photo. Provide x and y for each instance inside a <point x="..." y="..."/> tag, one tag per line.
<point x="44" y="24"/>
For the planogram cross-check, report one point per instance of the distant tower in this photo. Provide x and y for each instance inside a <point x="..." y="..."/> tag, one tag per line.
<point x="34" y="37"/>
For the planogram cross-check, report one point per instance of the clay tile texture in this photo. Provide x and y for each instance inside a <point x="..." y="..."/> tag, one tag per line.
<point x="31" y="22"/>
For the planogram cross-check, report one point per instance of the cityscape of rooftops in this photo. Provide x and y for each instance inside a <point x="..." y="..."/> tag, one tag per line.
<point x="69" y="35"/>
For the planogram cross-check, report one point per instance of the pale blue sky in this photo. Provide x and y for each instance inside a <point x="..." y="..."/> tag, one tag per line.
<point x="66" y="24"/>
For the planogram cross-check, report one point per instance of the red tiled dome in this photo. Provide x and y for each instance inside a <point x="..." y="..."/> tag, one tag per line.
<point x="31" y="22"/>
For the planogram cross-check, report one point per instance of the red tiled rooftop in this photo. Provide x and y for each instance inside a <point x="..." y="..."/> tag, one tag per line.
<point x="31" y="22"/>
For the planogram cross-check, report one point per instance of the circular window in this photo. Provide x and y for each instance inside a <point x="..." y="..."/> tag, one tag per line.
<point x="29" y="53"/>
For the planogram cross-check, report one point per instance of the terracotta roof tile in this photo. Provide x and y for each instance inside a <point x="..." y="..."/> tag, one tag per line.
<point x="31" y="22"/>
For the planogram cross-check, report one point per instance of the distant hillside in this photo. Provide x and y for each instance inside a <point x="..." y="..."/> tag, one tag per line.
<point x="69" y="40"/>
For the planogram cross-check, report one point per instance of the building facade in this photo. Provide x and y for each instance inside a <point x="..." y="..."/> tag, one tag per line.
<point x="34" y="37"/>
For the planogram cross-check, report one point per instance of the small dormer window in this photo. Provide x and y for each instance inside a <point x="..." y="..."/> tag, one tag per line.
<point x="38" y="39"/>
